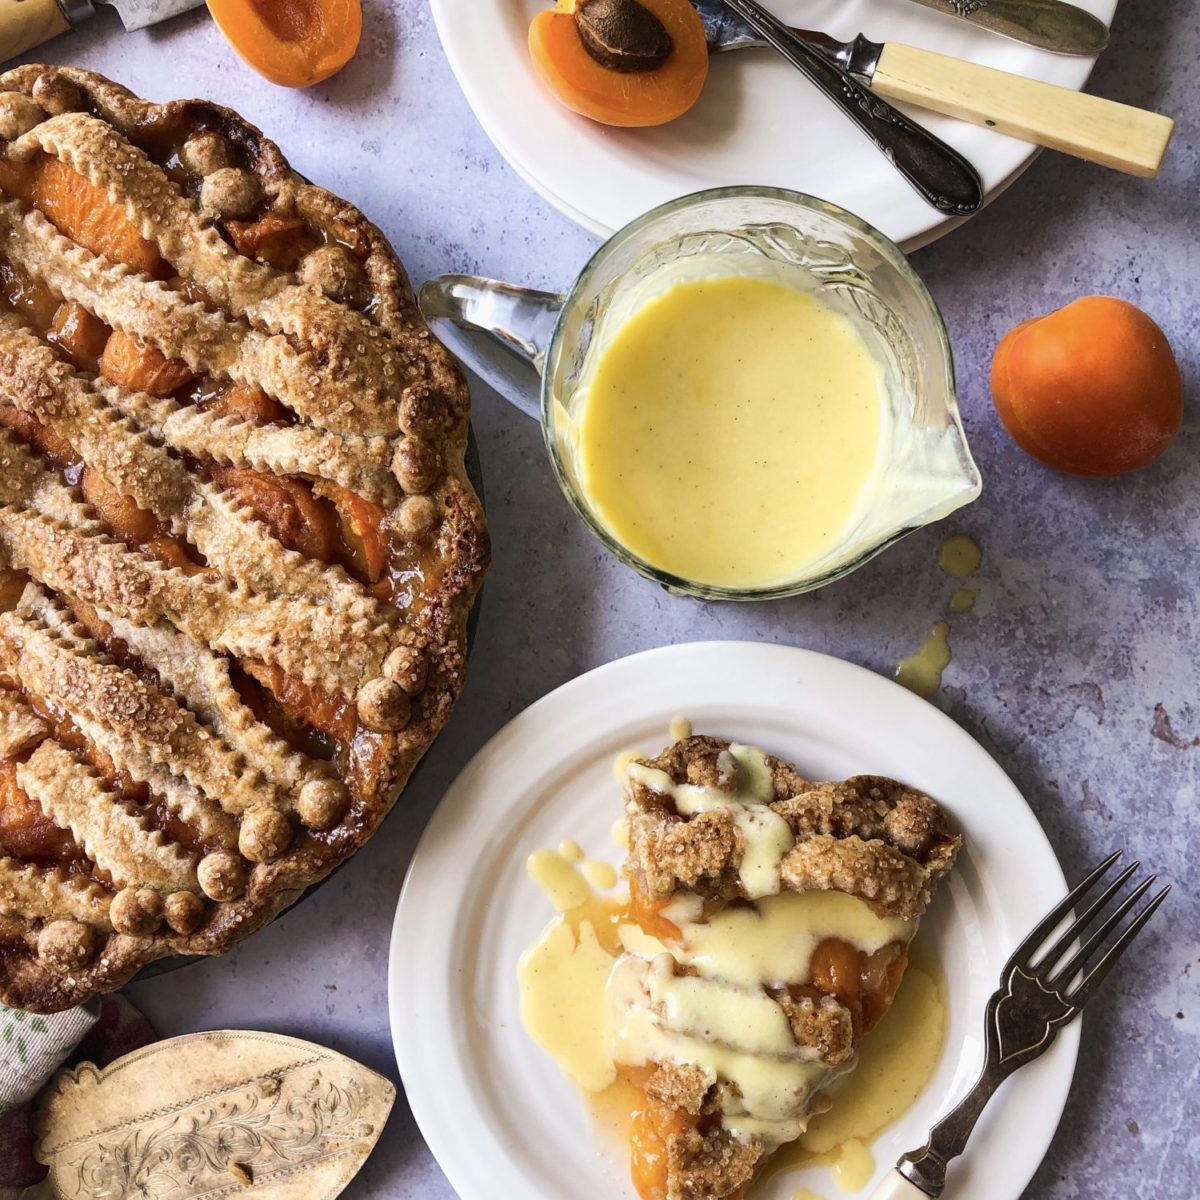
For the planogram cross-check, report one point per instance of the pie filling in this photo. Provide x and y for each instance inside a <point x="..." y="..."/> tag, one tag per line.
<point x="766" y="932"/>
<point x="224" y="518"/>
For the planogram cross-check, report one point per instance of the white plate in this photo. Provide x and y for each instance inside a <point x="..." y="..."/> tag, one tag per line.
<point x="492" y="1105"/>
<point x="758" y="120"/>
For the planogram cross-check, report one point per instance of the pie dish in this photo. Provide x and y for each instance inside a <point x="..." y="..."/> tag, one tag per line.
<point x="238" y="547"/>
<point x="774" y="915"/>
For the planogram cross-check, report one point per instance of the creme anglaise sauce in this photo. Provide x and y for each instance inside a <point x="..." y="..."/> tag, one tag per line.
<point x="731" y="430"/>
<point x="599" y="993"/>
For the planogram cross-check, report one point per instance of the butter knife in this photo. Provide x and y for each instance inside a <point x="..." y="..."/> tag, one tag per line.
<point x="28" y="23"/>
<point x="1048" y="24"/>
<point x="1089" y="127"/>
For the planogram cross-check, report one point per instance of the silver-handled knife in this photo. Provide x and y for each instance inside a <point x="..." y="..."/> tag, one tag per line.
<point x="28" y="23"/>
<point x="1048" y="24"/>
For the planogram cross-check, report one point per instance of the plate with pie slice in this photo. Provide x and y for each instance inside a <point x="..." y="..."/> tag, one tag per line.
<point x="757" y="120"/>
<point x="238" y="543"/>
<point x="828" y="874"/>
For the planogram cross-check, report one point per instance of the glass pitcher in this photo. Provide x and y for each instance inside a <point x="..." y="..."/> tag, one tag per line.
<point x="512" y="335"/>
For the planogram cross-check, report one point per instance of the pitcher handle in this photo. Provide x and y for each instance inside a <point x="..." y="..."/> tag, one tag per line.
<point x="502" y="332"/>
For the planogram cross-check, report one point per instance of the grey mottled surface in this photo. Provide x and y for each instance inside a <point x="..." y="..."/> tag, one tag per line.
<point x="1078" y="669"/>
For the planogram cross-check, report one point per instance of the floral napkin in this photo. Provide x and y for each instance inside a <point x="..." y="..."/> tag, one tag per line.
<point x="32" y="1048"/>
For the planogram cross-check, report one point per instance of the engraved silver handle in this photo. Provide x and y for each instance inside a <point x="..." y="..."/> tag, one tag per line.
<point x="940" y="175"/>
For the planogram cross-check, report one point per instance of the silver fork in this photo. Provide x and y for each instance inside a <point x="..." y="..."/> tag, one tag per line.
<point x="1038" y="995"/>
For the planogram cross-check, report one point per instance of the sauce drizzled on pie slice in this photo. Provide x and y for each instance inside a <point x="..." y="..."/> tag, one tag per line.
<point x="722" y="999"/>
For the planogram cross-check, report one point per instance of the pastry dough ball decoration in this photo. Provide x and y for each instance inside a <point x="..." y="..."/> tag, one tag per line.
<point x="183" y="911"/>
<point x="332" y="269"/>
<point x="136" y="911"/>
<point x="322" y="803"/>
<point x="18" y="115"/>
<point x="416" y="465"/>
<point x="265" y="834"/>
<point x="57" y="94"/>
<point x="407" y="666"/>
<point x="423" y="411"/>
<point x="416" y="516"/>
<point x="384" y="706"/>
<point x="206" y="153"/>
<point x="66" y="946"/>
<point x="222" y="875"/>
<point x="230" y="192"/>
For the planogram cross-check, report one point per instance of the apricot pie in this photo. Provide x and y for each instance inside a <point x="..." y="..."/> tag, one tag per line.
<point x="773" y="917"/>
<point x="237" y="543"/>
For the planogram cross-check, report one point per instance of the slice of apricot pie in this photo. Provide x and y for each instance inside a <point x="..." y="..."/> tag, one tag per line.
<point x="773" y="917"/>
<point x="238" y="546"/>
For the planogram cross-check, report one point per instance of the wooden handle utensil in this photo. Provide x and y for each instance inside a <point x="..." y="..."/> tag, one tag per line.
<point x="28" y="23"/>
<point x="1089" y="127"/>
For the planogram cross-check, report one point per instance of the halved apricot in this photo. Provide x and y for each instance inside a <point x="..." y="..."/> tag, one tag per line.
<point x="79" y="334"/>
<point x="25" y="831"/>
<point x="129" y="522"/>
<point x="84" y="213"/>
<point x="647" y="914"/>
<point x="142" y="368"/>
<point x="273" y="239"/>
<point x="620" y="97"/>
<point x="835" y="970"/>
<point x="248" y="402"/>
<point x="650" y="1129"/>
<point x="33" y="301"/>
<point x="41" y="437"/>
<point x="363" y="537"/>
<point x="294" y="43"/>
<point x="286" y="507"/>
<point x="329" y="714"/>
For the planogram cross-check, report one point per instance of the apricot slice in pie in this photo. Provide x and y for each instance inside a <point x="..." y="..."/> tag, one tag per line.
<point x="238" y="546"/>
<point x="773" y="917"/>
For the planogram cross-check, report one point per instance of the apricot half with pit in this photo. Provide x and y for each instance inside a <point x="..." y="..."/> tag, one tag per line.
<point x="621" y="62"/>
<point x="622" y="34"/>
<point x="1091" y="389"/>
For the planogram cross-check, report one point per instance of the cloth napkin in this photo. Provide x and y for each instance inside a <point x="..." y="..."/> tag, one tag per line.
<point x="32" y="1048"/>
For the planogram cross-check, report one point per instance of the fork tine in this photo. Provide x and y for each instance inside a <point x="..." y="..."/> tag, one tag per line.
<point x="1068" y="969"/>
<point x="1092" y="980"/>
<point x="1036" y="936"/>
<point x="1075" y="930"/>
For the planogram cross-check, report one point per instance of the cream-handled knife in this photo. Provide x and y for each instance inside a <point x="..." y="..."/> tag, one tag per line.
<point x="1089" y="127"/>
<point x="28" y="23"/>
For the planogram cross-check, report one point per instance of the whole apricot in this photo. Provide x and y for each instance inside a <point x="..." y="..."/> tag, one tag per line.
<point x="1092" y="388"/>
